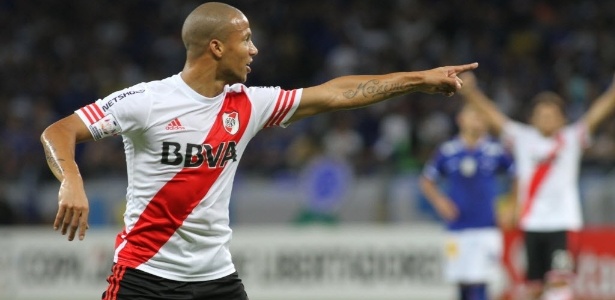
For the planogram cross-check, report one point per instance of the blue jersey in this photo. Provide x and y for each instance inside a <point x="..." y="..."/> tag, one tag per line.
<point x="472" y="179"/>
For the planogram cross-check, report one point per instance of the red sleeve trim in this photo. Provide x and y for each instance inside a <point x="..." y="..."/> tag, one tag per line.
<point x="282" y="106"/>
<point x="288" y="104"/>
<point x="87" y="115"/>
<point x="92" y="112"/>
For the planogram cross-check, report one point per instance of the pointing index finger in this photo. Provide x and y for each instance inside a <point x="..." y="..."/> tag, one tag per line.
<point x="464" y="68"/>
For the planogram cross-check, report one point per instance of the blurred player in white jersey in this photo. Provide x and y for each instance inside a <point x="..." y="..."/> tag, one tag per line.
<point x="547" y="156"/>
<point x="470" y="163"/>
<point x="183" y="137"/>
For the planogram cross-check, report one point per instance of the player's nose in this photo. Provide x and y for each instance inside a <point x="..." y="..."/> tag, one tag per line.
<point x="253" y="50"/>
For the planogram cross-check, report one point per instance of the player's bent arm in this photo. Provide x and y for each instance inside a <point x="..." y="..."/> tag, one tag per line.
<point x="601" y="109"/>
<point x="430" y="190"/>
<point x="59" y="140"/>
<point x="348" y="92"/>
<point x="441" y="202"/>
<point x="474" y="96"/>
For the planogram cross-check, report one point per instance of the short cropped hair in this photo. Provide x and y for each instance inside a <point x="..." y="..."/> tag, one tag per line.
<point x="549" y="97"/>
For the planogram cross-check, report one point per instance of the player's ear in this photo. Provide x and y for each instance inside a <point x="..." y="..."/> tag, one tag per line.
<point x="216" y="47"/>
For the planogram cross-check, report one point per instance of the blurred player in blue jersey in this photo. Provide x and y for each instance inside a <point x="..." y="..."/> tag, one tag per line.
<point x="470" y="162"/>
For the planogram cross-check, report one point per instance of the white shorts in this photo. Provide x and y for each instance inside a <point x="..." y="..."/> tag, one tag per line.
<point x="473" y="255"/>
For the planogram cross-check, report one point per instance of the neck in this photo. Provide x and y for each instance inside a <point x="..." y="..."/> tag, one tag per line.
<point x="549" y="134"/>
<point x="470" y="139"/>
<point x="202" y="79"/>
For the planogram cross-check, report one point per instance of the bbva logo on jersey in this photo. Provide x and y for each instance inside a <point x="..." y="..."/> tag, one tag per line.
<point x="230" y="122"/>
<point x="194" y="155"/>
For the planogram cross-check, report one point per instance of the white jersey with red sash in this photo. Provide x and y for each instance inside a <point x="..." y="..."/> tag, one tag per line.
<point x="182" y="152"/>
<point x="548" y="174"/>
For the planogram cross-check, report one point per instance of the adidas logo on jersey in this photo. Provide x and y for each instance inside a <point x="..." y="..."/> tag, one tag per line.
<point x="175" y="125"/>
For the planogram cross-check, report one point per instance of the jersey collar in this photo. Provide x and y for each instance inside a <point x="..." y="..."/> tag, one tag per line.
<point x="183" y="86"/>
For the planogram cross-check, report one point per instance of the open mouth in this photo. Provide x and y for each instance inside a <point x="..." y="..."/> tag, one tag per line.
<point x="248" y="66"/>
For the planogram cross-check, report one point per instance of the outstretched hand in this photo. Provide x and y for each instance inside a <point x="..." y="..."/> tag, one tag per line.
<point x="445" y="80"/>
<point x="601" y="109"/>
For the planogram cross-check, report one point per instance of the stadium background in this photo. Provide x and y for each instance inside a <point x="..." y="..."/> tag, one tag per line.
<point x="353" y="171"/>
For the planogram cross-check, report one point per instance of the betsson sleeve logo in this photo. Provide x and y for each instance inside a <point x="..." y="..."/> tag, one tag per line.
<point x="119" y="97"/>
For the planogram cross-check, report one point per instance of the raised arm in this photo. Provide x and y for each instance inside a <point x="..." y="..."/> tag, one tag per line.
<point x="348" y="92"/>
<point x="474" y="96"/>
<point x="59" y="140"/>
<point x="601" y="109"/>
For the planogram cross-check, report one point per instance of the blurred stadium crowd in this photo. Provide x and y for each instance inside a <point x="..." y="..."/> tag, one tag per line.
<point x="58" y="55"/>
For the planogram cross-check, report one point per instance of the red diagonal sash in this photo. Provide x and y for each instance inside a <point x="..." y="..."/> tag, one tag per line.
<point x="540" y="173"/>
<point x="174" y="202"/>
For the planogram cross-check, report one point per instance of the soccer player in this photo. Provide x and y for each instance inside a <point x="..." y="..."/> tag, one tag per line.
<point x="470" y="162"/>
<point x="183" y="137"/>
<point x="547" y="155"/>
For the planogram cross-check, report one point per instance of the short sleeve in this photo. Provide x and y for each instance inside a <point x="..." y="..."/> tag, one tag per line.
<point x="507" y="162"/>
<point x="433" y="169"/>
<point x="274" y="106"/>
<point x="515" y="131"/>
<point x="119" y="113"/>
<point x="579" y="132"/>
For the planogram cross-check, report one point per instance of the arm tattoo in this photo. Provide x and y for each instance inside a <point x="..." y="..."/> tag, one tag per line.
<point x="373" y="88"/>
<point x="53" y="162"/>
